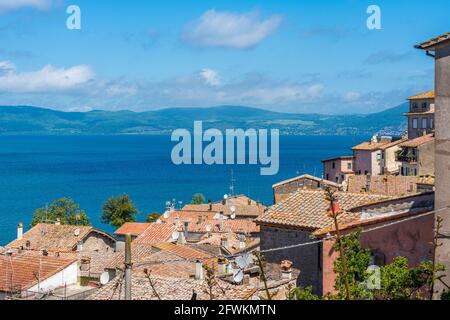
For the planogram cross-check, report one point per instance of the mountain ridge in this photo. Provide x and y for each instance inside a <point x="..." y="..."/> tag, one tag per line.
<point x="30" y="120"/>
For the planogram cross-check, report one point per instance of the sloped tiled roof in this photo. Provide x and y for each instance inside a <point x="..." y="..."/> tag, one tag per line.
<point x="414" y="143"/>
<point x="132" y="228"/>
<point x="308" y="209"/>
<point x="18" y="272"/>
<point x="308" y="177"/>
<point x="425" y="95"/>
<point x="370" y="146"/>
<point x="54" y="237"/>
<point x="156" y="233"/>
<point x="173" y="289"/>
<point x="430" y="44"/>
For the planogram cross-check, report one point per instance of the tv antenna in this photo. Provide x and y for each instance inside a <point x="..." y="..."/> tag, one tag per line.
<point x="232" y="183"/>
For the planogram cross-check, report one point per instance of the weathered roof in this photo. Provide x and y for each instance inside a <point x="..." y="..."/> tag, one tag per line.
<point x="18" y="272"/>
<point x="432" y="43"/>
<point x="55" y="237"/>
<point x="339" y="158"/>
<point x="370" y="146"/>
<point x="393" y="144"/>
<point x="308" y="177"/>
<point x="424" y="95"/>
<point x="132" y="228"/>
<point x="173" y="289"/>
<point x="414" y="143"/>
<point x="156" y="233"/>
<point x="308" y="209"/>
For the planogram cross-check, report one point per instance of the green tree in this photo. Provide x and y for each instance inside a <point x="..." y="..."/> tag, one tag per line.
<point x="153" y="217"/>
<point x="198" y="199"/>
<point x="302" y="294"/>
<point x="64" y="210"/>
<point x="400" y="282"/>
<point x="118" y="211"/>
<point x="358" y="261"/>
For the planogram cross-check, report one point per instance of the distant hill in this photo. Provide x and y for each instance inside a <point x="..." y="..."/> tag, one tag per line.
<point x="40" y="121"/>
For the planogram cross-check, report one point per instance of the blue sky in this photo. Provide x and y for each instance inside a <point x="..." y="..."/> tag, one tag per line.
<point x="291" y="56"/>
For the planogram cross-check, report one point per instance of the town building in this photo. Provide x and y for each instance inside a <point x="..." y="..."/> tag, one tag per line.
<point x="421" y="115"/>
<point x="284" y="189"/>
<point x="439" y="49"/>
<point x="417" y="156"/>
<point x="34" y="277"/>
<point x="299" y="219"/>
<point x="338" y="169"/>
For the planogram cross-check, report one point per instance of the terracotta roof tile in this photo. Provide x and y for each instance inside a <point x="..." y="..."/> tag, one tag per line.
<point x="308" y="209"/>
<point x="18" y="272"/>
<point x="432" y="43"/>
<point x="414" y="143"/>
<point x="156" y="233"/>
<point x="132" y="228"/>
<point x="425" y="95"/>
<point x="309" y="177"/>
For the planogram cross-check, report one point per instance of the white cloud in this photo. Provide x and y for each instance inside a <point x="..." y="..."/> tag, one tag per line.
<point x="352" y="96"/>
<point x="10" y="5"/>
<point x="7" y="66"/>
<point x="211" y="77"/>
<point x="118" y="90"/>
<point x="47" y="79"/>
<point x="230" y="30"/>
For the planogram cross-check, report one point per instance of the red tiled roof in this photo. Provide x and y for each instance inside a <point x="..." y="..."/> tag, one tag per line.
<point x="132" y="228"/>
<point x="156" y="233"/>
<point x="432" y="43"/>
<point x="19" y="272"/>
<point x="425" y="95"/>
<point x="307" y="177"/>
<point x="52" y="237"/>
<point x="414" y="143"/>
<point x="308" y="209"/>
<point x="182" y="251"/>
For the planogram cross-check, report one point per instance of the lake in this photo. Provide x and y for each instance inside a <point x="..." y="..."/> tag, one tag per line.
<point x="36" y="170"/>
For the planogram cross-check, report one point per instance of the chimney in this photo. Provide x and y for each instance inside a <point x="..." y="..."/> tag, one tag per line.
<point x="198" y="270"/>
<point x="224" y="242"/>
<point x="221" y="218"/>
<point x="242" y="241"/>
<point x="210" y="205"/>
<point x="249" y="202"/>
<point x="222" y="265"/>
<point x="20" y="231"/>
<point x="286" y="270"/>
<point x="186" y="229"/>
<point x="80" y="246"/>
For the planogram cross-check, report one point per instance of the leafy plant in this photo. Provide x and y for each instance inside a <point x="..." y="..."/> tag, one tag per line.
<point x="119" y="210"/>
<point x="63" y="210"/>
<point x="302" y="294"/>
<point x="153" y="217"/>
<point x="198" y="199"/>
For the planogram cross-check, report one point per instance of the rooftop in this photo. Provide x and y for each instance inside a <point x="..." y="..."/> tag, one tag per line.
<point x="414" y="143"/>
<point x="432" y="43"/>
<point x="339" y="158"/>
<point x="132" y="228"/>
<point x="18" y="272"/>
<point x="308" y="209"/>
<point x="421" y="96"/>
<point x="55" y="237"/>
<point x="156" y="233"/>
<point x="370" y="146"/>
<point x="308" y="177"/>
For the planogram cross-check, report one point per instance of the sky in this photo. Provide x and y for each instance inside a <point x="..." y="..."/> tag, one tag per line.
<point x="290" y="56"/>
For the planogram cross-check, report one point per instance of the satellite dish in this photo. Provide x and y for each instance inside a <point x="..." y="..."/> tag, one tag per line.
<point x="225" y="196"/>
<point x="166" y="215"/>
<point x="77" y="232"/>
<point x="233" y="209"/>
<point x="242" y="262"/>
<point x="208" y="228"/>
<point x="104" y="278"/>
<point x="233" y="216"/>
<point x="175" y="235"/>
<point x="238" y="276"/>
<point x="255" y="298"/>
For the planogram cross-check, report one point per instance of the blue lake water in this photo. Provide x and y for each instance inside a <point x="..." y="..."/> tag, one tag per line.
<point x="37" y="170"/>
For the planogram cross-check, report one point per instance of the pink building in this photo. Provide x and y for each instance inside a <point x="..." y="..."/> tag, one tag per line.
<point x="338" y="169"/>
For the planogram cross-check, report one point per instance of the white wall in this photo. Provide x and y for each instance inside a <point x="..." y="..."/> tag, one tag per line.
<point x="68" y="276"/>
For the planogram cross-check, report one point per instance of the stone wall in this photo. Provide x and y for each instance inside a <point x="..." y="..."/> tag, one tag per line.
<point x="99" y="243"/>
<point x="306" y="259"/>
<point x="385" y="185"/>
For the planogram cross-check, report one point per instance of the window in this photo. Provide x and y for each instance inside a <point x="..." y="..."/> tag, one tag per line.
<point x="424" y="105"/>
<point x="424" y="123"/>
<point x="366" y="173"/>
<point x="431" y="123"/>
<point x="328" y="177"/>
<point x="415" y="106"/>
<point x="403" y="171"/>
<point x="415" y="123"/>
<point x="334" y="165"/>
<point x="349" y="166"/>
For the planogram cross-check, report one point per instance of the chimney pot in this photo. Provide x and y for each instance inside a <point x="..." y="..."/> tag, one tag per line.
<point x="198" y="270"/>
<point x="224" y="242"/>
<point x="186" y="229"/>
<point x="20" y="231"/>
